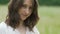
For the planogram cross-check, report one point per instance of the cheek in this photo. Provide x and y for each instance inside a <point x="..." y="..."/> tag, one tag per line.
<point x="20" y="11"/>
<point x="29" y="14"/>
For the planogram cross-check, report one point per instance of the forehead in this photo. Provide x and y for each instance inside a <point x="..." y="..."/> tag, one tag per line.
<point x="28" y="2"/>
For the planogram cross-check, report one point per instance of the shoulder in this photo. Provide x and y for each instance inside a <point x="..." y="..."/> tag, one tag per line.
<point x="36" y="30"/>
<point x="5" y="29"/>
<point x="2" y="27"/>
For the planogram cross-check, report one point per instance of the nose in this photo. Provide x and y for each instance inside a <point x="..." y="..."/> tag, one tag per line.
<point x="27" y="11"/>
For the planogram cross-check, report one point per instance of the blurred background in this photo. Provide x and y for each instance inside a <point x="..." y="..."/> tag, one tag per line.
<point x="49" y="13"/>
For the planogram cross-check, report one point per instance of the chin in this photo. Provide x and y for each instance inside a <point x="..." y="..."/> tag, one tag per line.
<point x="23" y="19"/>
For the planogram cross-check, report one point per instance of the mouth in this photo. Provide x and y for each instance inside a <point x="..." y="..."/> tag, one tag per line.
<point x="24" y="16"/>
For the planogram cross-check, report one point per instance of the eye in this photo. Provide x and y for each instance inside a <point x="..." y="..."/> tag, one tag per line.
<point x="30" y="8"/>
<point x="24" y="6"/>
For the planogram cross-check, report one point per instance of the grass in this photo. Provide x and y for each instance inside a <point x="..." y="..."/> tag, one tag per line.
<point x="3" y="12"/>
<point x="49" y="22"/>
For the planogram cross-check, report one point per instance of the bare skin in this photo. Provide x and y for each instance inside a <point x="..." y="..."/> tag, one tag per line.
<point x="24" y="12"/>
<point x="21" y="28"/>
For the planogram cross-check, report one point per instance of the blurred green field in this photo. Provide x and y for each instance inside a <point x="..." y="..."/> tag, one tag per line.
<point x="49" y="22"/>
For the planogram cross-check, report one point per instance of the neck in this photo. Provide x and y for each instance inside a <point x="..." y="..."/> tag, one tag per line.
<point x="21" y="28"/>
<point x="21" y="24"/>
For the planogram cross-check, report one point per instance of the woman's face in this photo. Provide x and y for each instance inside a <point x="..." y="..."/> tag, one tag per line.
<point x="26" y="9"/>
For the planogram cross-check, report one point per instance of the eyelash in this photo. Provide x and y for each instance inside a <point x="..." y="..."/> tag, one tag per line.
<point x="24" y="6"/>
<point x="30" y="7"/>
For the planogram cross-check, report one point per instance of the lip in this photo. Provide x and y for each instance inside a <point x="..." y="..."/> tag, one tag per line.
<point x="24" y="15"/>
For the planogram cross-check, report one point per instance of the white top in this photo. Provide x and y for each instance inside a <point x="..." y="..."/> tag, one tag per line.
<point x="4" y="29"/>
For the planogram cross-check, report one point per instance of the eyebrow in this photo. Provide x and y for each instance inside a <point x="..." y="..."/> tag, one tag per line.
<point x="26" y="4"/>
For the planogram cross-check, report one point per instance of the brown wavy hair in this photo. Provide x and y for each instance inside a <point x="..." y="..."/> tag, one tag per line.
<point x="13" y="19"/>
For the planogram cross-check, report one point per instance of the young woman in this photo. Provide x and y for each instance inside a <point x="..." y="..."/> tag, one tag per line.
<point x="22" y="18"/>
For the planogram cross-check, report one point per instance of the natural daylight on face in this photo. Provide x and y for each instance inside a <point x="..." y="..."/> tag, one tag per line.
<point x="26" y="9"/>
